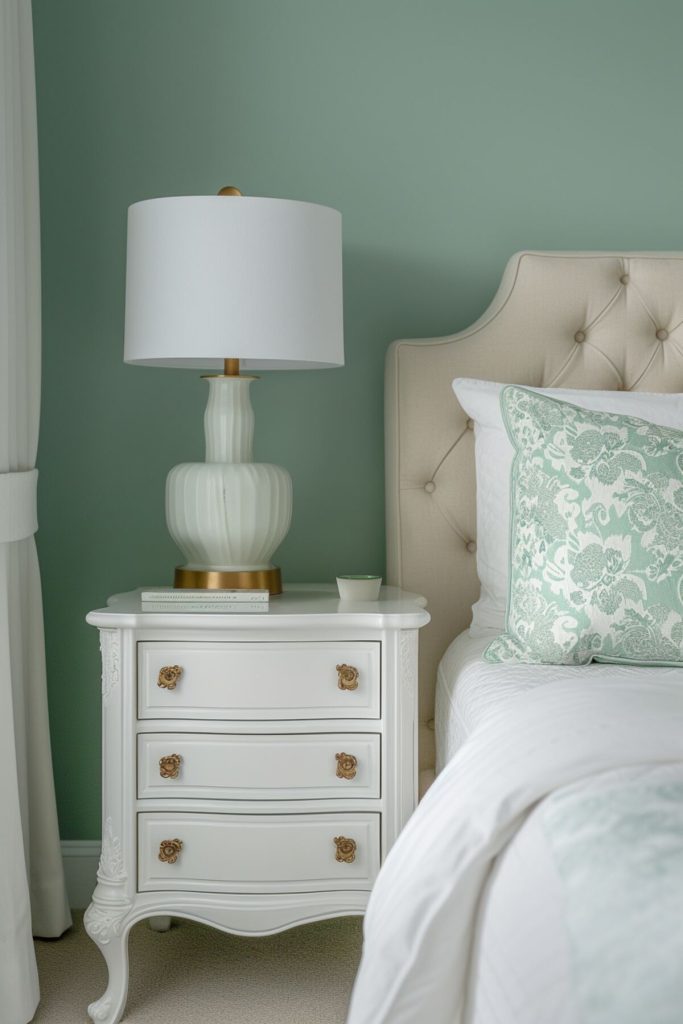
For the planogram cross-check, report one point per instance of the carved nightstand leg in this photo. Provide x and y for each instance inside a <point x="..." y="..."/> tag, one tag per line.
<point x="105" y="928"/>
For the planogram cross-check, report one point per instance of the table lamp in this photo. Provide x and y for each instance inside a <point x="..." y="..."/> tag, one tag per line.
<point x="231" y="282"/>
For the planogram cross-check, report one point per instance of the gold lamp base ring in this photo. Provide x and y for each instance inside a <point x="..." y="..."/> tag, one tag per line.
<point x="242" y="579"/>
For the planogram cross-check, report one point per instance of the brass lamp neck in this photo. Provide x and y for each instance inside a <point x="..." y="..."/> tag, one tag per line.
<point x="231" y="367"/>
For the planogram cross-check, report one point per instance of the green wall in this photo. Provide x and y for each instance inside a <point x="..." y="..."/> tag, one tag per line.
<point x="450" y="133"/>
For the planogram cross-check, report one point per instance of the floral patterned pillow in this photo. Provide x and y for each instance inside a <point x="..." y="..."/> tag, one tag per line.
<point x="596" y="538"/>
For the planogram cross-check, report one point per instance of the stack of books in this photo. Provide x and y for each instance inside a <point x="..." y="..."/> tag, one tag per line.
<point x="166" y="599"/>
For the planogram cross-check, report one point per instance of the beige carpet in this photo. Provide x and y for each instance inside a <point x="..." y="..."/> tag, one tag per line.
<point x="197" y="974"/>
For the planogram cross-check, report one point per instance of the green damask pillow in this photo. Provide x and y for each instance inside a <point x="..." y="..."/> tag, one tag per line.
<point x="596" y="538"/>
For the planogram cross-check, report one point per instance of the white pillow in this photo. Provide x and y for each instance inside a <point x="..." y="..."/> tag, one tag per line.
<point x="493" y="457"/>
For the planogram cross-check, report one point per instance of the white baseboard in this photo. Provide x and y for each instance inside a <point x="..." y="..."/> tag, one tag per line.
<point x="81" y="859"/>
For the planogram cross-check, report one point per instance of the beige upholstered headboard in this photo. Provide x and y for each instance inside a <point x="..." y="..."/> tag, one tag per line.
<point x="587" y="320"/>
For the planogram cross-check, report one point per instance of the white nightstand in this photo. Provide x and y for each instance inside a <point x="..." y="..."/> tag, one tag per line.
<point x="256" y="767"/>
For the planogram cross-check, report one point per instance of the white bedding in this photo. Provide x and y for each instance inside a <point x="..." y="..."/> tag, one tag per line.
<point x="535" y="768"/>
<point x="470" y="690"/>
<point x="521" y="945"/>
<point x="520" y="967"/>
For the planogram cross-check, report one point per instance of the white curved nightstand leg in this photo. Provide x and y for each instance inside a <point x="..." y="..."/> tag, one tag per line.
<point x="112" y="940"/>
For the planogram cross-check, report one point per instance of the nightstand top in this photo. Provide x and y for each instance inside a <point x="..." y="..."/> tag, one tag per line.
<point x="395" y="608"/>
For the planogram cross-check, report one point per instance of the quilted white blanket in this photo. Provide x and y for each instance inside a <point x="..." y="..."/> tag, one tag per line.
<point x="420" y="922"/>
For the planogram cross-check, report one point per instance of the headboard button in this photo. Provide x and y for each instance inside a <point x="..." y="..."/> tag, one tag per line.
<point x="624" y="279"/>
<point x="430" y="487"/>
<point x="470" y="424"/>
<point x="471" y="546"/>
<point x="662" y="334"/>
<point x="579" y="337"/>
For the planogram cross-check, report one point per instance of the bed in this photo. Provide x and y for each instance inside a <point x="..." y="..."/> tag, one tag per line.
<point x="541" y="878"/>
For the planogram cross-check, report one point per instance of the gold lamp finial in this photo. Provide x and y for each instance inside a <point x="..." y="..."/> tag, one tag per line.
<point x="229" y="190"/>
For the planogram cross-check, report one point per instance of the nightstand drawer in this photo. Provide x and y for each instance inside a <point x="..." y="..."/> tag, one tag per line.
<point x="257" y="853"/>
<point x="257" y="767"/>
<point x="259" y="680"/>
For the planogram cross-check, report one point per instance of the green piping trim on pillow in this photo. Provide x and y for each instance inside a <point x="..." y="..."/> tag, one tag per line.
<point x="596" y="536"/>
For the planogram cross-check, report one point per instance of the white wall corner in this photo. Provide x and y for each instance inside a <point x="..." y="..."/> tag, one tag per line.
<point x="81" y="859"/>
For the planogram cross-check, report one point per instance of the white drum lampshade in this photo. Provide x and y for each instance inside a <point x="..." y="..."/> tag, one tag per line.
<point x="223" y="282"/>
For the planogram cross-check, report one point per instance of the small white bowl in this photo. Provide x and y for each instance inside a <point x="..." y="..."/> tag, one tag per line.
<point x="359" y="588"/>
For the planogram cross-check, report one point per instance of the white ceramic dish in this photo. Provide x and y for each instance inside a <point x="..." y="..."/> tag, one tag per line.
<point x="359" y="588"/>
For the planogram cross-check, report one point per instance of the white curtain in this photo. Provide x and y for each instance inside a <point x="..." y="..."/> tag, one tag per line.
<point x="32" y="891"/>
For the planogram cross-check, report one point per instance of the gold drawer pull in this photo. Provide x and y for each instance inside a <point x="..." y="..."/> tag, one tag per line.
<point x="169" y="850"/>
<point x="348" y="677"/>
<point x="169" y="676"/>
<point x="346" y="849"/>
<point x="169" y="766"/>
<point x="346" y="766"/>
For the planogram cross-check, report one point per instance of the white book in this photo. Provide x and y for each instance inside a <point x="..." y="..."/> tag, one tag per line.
<point x="169" y="596"/>
<point x="228" y="607"/>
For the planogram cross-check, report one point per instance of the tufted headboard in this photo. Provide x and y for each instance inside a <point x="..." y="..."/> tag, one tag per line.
<point x="558" y="319"/>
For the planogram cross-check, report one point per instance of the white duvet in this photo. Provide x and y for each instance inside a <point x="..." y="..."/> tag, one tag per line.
<point x="422" y="917"/>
